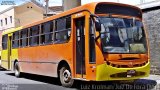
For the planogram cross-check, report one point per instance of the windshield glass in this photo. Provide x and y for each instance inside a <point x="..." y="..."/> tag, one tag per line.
<point x="120" y="35"/>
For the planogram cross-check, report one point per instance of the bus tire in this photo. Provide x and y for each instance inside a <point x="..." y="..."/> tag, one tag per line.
<point x="16" y="69"/>
<point x="65" y="77"/>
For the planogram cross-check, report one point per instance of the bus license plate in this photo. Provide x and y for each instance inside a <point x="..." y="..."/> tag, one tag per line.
<point x="131" y="73"/>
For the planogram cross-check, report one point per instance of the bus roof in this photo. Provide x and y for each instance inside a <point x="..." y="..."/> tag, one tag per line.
<point x="11" y="30"/>
<point x="89" y="7"/>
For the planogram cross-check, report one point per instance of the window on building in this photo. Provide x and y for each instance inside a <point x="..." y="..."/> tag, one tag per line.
<point x="34" y="35"/>
<point x="1" y="22"/>
<point x="24" y="37"/>
<point x="47" y="32"/>
<point x="15" y="40"/>
<point x="4" y="41"/>
<point x="63" y="30"/>
<point x="11" y="19"/>
<point x="6" y="20"/>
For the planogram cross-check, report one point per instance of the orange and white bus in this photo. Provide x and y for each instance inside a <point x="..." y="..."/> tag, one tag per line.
<point x="94" y="42"/>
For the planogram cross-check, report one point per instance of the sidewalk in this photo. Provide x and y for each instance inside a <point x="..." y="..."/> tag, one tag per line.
<point x="155" y="78"/>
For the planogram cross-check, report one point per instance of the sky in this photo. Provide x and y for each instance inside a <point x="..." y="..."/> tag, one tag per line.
<point x="59" y="2"/>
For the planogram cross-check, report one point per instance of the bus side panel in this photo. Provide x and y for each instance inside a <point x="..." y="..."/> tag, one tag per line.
<point x="43" y="60"/>
<point x="25" y="58"/>
<point x="14" y="56"/>
<point x="4" y="59"/>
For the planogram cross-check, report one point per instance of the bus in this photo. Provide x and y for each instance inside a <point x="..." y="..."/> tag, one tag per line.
<point x="99" y="41"/>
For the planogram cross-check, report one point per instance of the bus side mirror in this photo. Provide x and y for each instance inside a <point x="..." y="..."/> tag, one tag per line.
<point x="98" y="26"/>
<point x="97" y="22"/>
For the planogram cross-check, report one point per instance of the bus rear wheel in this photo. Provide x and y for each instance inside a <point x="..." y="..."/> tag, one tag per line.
<point x="16" y="69"/>
<point x="66" y="77"/>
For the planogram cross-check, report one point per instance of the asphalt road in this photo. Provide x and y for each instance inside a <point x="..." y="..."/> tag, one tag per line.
<point x="35" y="82"/>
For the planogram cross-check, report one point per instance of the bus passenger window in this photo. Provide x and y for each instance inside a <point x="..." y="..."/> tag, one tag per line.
<point x="34" y="35"/>
<point x="62" y="36"/>
<point x="15" y="40"/>
<point x="42" y="39"/>
<point x="61" y="24"/>
<point x="24" y="38"/>
<point x="4" y="42"/>
<point x="63" y="31"/>
<point x="46" y="33"/>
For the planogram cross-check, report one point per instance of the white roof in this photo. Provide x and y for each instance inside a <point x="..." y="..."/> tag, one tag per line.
<point x="149" y="4"/>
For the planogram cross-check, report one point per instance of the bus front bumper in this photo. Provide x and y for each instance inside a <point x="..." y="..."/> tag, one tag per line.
<point x="105" y="72"/>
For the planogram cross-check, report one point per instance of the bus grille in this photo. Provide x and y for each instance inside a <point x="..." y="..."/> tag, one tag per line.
<point x="127" y="66"/>
<point x="124" y="74"/>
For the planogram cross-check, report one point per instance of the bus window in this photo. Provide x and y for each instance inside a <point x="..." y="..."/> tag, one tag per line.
<point x="47" y="33"/>
<point x="34" y="35"/>
<point x="15" y="40"/>
<point x="92" y="55"/>
<point x="61" y="24"/>
<point x="4" y="42"/>
<point x="63" y="31"/>
<point x="24" y="38"/>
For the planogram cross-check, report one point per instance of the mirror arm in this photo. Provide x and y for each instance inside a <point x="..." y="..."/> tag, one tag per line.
<point x="92" y="16"/>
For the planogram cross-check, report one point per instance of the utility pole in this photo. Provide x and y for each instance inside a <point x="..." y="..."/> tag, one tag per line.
<point x="46" y="6"/>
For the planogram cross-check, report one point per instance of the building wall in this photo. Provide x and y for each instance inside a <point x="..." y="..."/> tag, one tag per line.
<point x="152" y="22"/>
<point x="69" y="4"/>
<point x="21" y="15"/>
<point x="9" y="23"/>
<point x="9" y="15"/>
<point x="27" y="14"/>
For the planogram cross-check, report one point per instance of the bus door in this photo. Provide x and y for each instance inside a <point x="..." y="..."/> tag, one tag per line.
<point x="80" y="46"/>
<point x="9" y="51"/>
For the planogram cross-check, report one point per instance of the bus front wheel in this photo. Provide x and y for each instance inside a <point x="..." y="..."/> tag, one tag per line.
<point x="66" y="77"/>
<point x="16" y="69"/>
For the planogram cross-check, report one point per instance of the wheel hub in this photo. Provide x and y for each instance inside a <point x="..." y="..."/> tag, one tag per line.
<point x="16" y="70"/>
<point x="66" y="76"/>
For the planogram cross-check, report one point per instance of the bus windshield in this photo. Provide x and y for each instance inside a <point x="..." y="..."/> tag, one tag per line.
<point x="120" y="35"/>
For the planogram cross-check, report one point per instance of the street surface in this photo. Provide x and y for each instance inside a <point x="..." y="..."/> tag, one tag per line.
<point x="35" y="82"/>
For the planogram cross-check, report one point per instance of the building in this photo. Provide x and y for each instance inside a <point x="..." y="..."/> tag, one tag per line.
<point x="55" y="10"/>
<point x="69" y="4"/>
<point x="21" y="15"/>
<point x="151" y="16"/>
